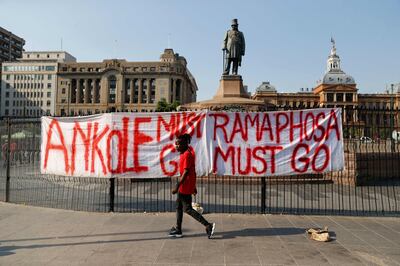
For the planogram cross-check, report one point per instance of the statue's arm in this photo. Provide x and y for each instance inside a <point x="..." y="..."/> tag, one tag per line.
<point x="244" y="44"/>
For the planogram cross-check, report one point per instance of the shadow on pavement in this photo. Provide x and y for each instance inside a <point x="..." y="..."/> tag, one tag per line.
<point x="251" y="232"/>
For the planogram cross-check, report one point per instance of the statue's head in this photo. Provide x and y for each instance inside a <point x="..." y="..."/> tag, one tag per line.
<point x="235" y="24"/>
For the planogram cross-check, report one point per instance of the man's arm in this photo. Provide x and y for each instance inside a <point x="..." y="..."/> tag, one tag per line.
<point x="183" y="178"/>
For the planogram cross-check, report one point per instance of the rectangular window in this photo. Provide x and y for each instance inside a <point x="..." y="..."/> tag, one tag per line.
<point x="50" y="68"/>
<point x="349" y="97"/>
<point x="339" y="97"/>
<point x="49" y="85"/>
<point x="49" y="76"/>
<point x="7" y="77"/>
<point x="49" y="94"/>
<point x="329" y="97"/>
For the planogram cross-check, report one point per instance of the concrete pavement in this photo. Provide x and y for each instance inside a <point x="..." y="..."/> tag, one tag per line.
<point x="42" y="236"/>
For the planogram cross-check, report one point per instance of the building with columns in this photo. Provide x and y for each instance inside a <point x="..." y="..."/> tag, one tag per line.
<point x="28" y="86"/>
<point x="338" y="89"/>
<point x="116" y="85"/>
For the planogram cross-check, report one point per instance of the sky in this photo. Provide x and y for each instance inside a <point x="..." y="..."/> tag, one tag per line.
<point x="287" y="41"/>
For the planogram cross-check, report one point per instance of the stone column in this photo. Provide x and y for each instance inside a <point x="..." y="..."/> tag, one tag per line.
<point x="173" y="90"/>
<point x="182" y="94"/>
<point x="148" y="90"/>
<point x="140" y="91"/>
<point x="78" y="90"/>
<point x="87" y="90"/>
<point x="94" y="82"/>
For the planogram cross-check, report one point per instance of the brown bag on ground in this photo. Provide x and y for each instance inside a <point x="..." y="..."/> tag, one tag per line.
<point x="319" y="234"/>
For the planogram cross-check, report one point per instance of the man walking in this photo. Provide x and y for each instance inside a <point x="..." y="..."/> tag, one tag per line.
<point x="186" y="187"/>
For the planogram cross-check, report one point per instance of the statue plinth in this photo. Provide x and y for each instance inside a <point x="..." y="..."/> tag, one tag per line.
<point x="231" y="86"/>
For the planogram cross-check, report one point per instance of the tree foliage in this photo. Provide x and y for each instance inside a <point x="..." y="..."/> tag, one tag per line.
<point x="163" y="106"/>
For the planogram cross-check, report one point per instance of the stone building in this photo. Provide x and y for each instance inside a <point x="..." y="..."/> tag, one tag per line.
<point x="28" y="86"/>
<point x="338" y="89"/>
<point x="116" y="85"/>
<point x="11" y="46"/>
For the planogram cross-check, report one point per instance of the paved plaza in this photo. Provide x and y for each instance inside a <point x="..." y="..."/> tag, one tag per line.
<point x="44" y="236"/>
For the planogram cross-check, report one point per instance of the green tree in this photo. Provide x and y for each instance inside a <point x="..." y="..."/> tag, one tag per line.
<point x="163" y="106"/>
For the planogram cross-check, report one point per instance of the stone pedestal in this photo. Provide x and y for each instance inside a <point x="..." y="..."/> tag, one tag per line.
<point x="231" y="86"/>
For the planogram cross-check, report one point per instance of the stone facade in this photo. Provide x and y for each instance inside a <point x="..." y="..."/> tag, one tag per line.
<point x="337" y="89"/>
<point x="28" y="86"/>
<point x="119" y="86"/>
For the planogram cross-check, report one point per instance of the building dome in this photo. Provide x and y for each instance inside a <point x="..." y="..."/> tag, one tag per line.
<point x="266" y="87"/>
<point x="337" y="77"/>
<point x="334" y="74"/>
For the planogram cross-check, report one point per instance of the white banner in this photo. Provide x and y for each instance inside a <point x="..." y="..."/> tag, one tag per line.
<point x="141" y="145"/>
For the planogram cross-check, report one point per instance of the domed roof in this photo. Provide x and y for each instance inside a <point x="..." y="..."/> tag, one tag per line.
<point x="266" y="87"/>
<point x="334" y="74"/>
<point x="337" y="77"/>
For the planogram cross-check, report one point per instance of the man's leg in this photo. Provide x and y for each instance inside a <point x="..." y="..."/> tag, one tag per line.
<point x="227" y="66"/>
<point x="235" y="67"/>
<point x="187" y="207"/>
<point x="179" y="212"/>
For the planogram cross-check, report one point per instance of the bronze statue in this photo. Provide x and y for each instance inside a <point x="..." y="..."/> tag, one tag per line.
<point x="233" y="48"/>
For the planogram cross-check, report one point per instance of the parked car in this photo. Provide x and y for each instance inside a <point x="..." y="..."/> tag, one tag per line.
<point x="364" y="139"/>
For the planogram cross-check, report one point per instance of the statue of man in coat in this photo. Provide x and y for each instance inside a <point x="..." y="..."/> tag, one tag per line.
<point x="234" y="48"/>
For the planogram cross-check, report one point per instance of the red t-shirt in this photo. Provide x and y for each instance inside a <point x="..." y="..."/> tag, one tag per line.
<point x="187" y="161"/>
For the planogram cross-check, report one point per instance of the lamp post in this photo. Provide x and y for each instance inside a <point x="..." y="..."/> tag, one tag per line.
<point x="392" y="148"/>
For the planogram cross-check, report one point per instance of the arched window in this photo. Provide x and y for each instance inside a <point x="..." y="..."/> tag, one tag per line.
<point x="112" y="87"/>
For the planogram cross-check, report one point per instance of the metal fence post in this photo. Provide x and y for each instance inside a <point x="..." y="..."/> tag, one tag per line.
<point x="112" y="194"/>
<point x="263" y="193"/>
<point x="8" y="157"/>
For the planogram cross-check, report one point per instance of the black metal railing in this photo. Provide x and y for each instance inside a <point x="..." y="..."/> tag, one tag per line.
<point x="369" y="185"/>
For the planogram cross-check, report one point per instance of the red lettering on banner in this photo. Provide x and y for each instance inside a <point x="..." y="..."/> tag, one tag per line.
<point x="293" y="126"/>
<point x="332" y="125"/>
<point x="191" y="124"/>
<point x="221" y="126"/>
<point x="171" y="126"/>
<point x="273" y="150"/>
<point x="307" y="136"/>
<point x="238" y="128"/>
<point x="124" y="146"/>
<point x="86" y="142"/>
<point x="225" y="156"/>
<point x="173" y="163"/>
<point x="260" y="159"/>
<point x="246" y="171"/>
<point x="304" y="159"/>
<point x="96" y="149"/>
<point x="327" y="151"/>
<point x="235" y="156"/>
<point x="266" y="126"/>
<point x="280" y="127"/>
<point x="51" y="146"/>
<point x="139" y="138"/>
<point x="319" y="127"/>
<point x="109" y="151"/>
